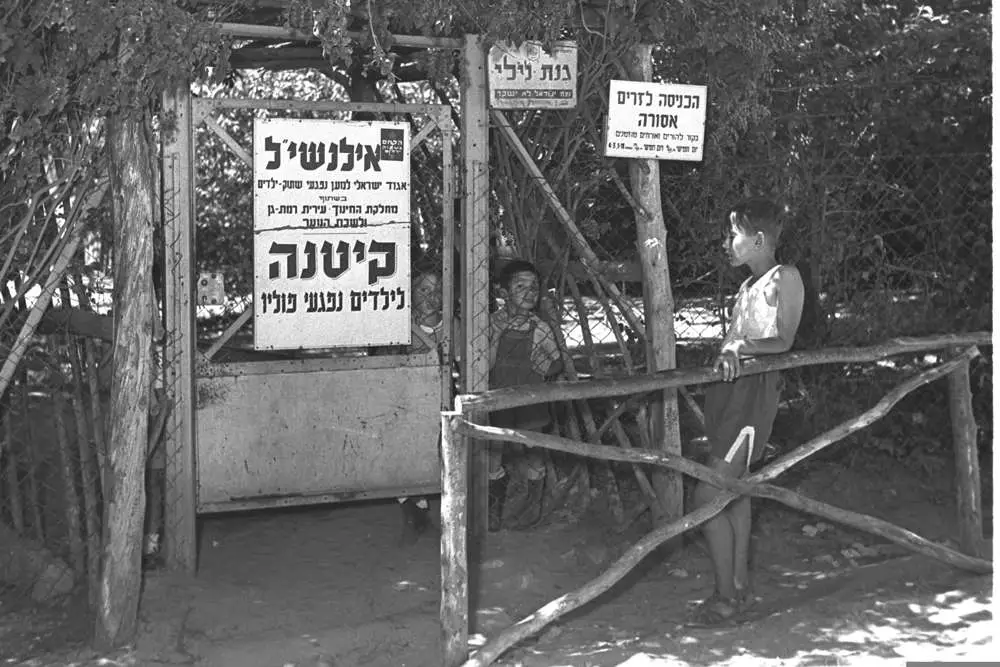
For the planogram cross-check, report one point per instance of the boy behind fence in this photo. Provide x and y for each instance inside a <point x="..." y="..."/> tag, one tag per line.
<point x="740" y="411"/>
<point x="523" y="350"/>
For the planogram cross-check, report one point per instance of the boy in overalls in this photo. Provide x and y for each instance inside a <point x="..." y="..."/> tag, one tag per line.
<point x="523" y="350"/>
<point x="740" y="410"/>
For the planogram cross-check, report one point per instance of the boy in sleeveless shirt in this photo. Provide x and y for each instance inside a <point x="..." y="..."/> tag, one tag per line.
<point x="523" y="350"/>
<point x="740" y="410"/>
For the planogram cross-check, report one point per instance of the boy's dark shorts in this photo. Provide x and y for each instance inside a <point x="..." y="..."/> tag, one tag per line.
<point x="736" y="411"/>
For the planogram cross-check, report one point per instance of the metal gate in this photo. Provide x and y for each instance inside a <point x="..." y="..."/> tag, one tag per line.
<point x="253" y="429"/>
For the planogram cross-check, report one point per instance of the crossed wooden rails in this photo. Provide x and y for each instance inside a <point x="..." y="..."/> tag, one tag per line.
<point x="458" y="430"/>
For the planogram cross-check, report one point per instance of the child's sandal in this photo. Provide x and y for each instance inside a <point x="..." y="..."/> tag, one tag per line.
<point x="714" y="611"/>
<point x="745" y="600"/>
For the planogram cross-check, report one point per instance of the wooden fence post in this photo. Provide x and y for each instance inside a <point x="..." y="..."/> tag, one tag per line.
<point x="180" y="502"/>
<point x="659" y="307"/>
<point x="967" y="479"/>
<point x="454" y="554"/>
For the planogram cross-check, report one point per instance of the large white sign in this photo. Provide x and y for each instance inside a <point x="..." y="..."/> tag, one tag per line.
<point x="526" y="77"/>
<point x="331" y="233"/>
<point x="659" y="121"/>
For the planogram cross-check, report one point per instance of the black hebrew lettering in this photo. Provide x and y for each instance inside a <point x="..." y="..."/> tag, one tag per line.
<point x="279" y="302"/>
<point x="343" y="256"/>
<point x="310" y="270"/>
<point x="377" y="270"/>
<point x="291" y="265"/>
<point x="271" y="145"/>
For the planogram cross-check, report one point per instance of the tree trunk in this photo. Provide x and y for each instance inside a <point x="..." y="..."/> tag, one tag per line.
<point x="659" y="308"/>
<point x="125" y="499"/>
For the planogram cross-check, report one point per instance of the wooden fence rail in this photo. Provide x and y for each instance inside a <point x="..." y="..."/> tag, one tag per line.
<point x="457" y="431"/>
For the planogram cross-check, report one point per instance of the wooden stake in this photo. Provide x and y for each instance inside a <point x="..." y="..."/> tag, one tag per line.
<point x="967" y="478"/>
<point x="454" y="554"/>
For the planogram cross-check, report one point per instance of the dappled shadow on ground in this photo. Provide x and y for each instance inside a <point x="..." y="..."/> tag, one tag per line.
<point x="908" y="608"/>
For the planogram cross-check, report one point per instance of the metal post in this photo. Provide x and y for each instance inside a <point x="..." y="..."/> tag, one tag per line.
<point x="476" y="235"/>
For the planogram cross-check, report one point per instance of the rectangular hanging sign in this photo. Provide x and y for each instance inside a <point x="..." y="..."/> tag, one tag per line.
<point x="331" y="206"/>
<point x="658" y="121"/>
<point x="526" y="77"/>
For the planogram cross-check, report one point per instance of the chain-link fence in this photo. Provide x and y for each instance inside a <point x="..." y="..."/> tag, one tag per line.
<point x="891" y="235"/>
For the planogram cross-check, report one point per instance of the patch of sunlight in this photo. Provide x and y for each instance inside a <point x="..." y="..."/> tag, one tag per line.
<point x="647" y="660"/>
<point x="944" y="598"/>
<point x="959" y="611"/>
<point x="405" y="585"/>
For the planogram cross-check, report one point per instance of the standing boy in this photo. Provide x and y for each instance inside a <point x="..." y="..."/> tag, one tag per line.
<point x="523" y="350"/>
<point x="740" y="410"/>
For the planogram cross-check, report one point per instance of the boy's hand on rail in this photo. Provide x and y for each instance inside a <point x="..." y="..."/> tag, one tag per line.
<point x="728" y="362"/>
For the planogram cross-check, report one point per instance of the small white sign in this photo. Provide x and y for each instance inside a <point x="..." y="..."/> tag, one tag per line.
<point x="658" y="121"/>
<point x="331" y="233"/>
<point x="526" y="77"/>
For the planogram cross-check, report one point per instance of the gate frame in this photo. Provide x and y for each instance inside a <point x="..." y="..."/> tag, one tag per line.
<point x="178" y="210"/>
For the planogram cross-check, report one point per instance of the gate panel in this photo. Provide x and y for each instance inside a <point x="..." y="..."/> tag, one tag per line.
<point x="370" y="432"/>
<point x="309" y="426"/>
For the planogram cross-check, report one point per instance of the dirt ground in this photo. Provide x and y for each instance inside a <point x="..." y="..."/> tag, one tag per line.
<point x="331" y="586"/>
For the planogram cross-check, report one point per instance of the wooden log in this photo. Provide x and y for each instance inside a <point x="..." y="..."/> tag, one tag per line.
<point x="967" y="479"/>
<point x="751" y="485"/>
<point x="454" y="554"/>
<point x="658" y="299"/>
<point x="508" y="397"/>
<point x="775" y="468"/>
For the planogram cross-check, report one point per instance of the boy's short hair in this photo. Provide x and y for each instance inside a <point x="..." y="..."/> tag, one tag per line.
<point x="758" y="215"/>
<point x="514" y="267"/>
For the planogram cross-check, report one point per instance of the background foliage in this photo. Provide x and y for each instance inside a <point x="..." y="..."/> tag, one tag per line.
<point x="870" y="121"/>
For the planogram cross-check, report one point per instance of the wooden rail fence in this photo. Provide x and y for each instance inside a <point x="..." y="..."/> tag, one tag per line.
<point x="457" y="431"/>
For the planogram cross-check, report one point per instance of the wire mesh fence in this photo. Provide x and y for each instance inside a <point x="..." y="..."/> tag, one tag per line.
<point x="892" y="239"/>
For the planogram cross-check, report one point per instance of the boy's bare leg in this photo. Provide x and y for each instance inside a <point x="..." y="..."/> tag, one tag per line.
<point x="740" y="518"/>
<point x="721" y="531"/>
